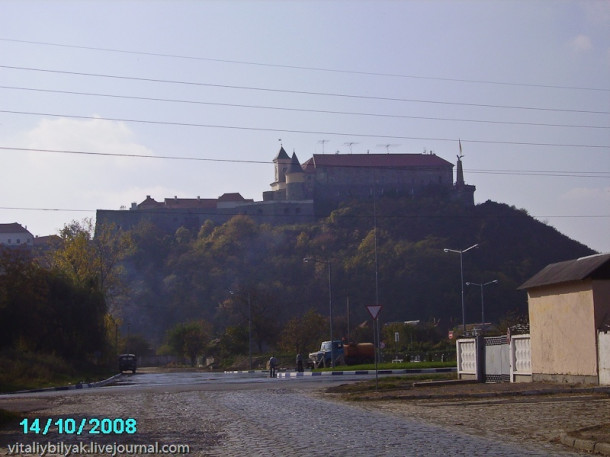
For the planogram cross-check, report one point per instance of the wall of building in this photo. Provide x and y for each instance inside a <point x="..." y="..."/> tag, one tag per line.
<point x="169" y="220"/>
<point x="334" y="184"/>
<point x="563" y="333"/>
<point x="17" y="239"/>
<point x="601" y="297"/>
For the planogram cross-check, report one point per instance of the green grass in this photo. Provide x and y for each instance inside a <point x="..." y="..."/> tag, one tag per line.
<point x="7" y="417"/>
<point x="26" y="370"/>
<point x="392" y="366"/>
<point x="388" y="383"/>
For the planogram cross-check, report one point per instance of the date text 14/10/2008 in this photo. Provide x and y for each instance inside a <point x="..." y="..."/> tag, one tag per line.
<point x="73" y="426"/>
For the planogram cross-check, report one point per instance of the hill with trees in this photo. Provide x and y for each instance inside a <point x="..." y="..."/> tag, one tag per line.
<point x="242" y="286"/>
<point x="241" y="275"/>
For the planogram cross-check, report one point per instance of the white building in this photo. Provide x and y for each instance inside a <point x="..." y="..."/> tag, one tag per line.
<point x="15" y="235"/>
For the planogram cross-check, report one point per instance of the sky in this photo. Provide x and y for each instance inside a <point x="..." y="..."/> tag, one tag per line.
<point x="104" y="103"/>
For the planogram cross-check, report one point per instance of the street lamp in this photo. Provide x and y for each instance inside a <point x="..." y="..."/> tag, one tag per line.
<point x="460" y="252"/>
<point x="249" y="328"/>
<point x="495" y="281"/>
<point x="330" y="305"/>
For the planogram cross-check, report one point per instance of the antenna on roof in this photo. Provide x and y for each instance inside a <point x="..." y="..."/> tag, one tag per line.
<point x="387" y="146"/>
<point x="350" y="145"/>
<point x="323" y="142"/>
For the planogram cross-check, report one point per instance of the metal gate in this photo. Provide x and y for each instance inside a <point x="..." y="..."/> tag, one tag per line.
<point x="497" y="359"/>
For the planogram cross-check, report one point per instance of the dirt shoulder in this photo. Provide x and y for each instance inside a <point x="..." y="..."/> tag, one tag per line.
<point x="575" y="415"/>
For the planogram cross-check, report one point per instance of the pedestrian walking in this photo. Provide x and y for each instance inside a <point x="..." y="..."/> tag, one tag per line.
<point x="272" y="367"/>
<point x="299" y="363"/>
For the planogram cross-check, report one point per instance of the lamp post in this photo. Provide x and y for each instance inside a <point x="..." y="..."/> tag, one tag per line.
<point x="460" y="252"/>
<point x="495" y="281"/>
<point x="249" y="328"/>
<point x="330" y="304"/>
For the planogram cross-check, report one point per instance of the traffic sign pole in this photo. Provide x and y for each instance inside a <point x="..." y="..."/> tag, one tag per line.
<point x="374" y="311"/>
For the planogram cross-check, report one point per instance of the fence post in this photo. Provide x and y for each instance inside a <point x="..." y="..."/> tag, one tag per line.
<point x="480" y="345"/>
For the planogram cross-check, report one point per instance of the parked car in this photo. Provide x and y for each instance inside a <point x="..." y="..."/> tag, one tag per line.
<point x="127" y="362"/>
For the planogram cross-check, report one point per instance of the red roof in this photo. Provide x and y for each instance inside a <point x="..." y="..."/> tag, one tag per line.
<point x="191" y="203"/>
<point x="13" y="228"/>
<point x="376" y="160"/>
<point x="187" y="203"/>
<point x="231" y="197"/>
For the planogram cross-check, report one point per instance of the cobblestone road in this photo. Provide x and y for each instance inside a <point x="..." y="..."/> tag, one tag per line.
<point x="270" y="419"/>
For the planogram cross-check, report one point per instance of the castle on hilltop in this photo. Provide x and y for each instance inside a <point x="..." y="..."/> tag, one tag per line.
<point x="300" y="193"/>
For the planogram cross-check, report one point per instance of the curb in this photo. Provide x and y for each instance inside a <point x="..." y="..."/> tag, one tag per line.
<point x="492" y="395"/>
<point x="80" y="385"/>
<point x="294" y="374"/>
<point x="246" y="372"/>
<point x="598" y="447"/>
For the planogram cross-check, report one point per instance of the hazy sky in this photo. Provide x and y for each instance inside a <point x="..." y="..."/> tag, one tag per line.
<point x="211" y="86"/>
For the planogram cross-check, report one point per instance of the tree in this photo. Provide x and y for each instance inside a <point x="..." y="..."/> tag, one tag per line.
<point x="93" y="261"/>
<point x="46" y="311"/>
<point x="189" y="339"/>
<point x="302" y="334"/>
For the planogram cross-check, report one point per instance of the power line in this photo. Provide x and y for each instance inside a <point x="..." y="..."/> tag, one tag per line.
<point x="158" y="211"/>
<point x="137" y="156"/>
<point x="17" y="208"/>
<point x="307" y="132"/>
<point x="303" y="110"/>
<point x="299" y="92"/>
<point x="550" y="173"/>
<point x="308" y="68"/>
<point x="572" y="174"/>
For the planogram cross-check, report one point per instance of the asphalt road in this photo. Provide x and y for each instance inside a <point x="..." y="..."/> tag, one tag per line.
<point x="236" y="415"/>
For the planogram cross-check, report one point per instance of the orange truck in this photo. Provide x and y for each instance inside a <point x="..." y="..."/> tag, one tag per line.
<point x="343" y="353"/>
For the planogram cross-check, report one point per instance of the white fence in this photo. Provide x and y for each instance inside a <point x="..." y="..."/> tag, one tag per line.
<point x="497" y="359"/>
<point x="466" y="358"/>
<point x="520" y="358"/>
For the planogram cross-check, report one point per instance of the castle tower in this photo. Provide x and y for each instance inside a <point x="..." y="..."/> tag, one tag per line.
<point x="459" y="178"/>
<point x="295" y="180"/>
<point x="462" y="191"/>
<point x="282" y="163"/>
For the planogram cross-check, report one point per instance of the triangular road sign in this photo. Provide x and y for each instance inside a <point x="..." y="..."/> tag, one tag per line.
<point x="374" y="310"/>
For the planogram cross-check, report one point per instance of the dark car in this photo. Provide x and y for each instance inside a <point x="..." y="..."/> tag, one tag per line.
<point x="127" y="362"/>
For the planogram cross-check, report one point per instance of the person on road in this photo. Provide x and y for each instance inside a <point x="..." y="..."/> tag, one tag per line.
<point x="272" y="367"/>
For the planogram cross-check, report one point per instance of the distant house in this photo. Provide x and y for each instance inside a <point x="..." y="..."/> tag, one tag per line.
<point x="15" y="235"/>
<point x="569" y="312"/>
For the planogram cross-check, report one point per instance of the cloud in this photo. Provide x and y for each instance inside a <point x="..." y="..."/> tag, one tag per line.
<point x="65" y="180"/>
<point x="89" y="135"/>
<point x="581" y="43"/>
